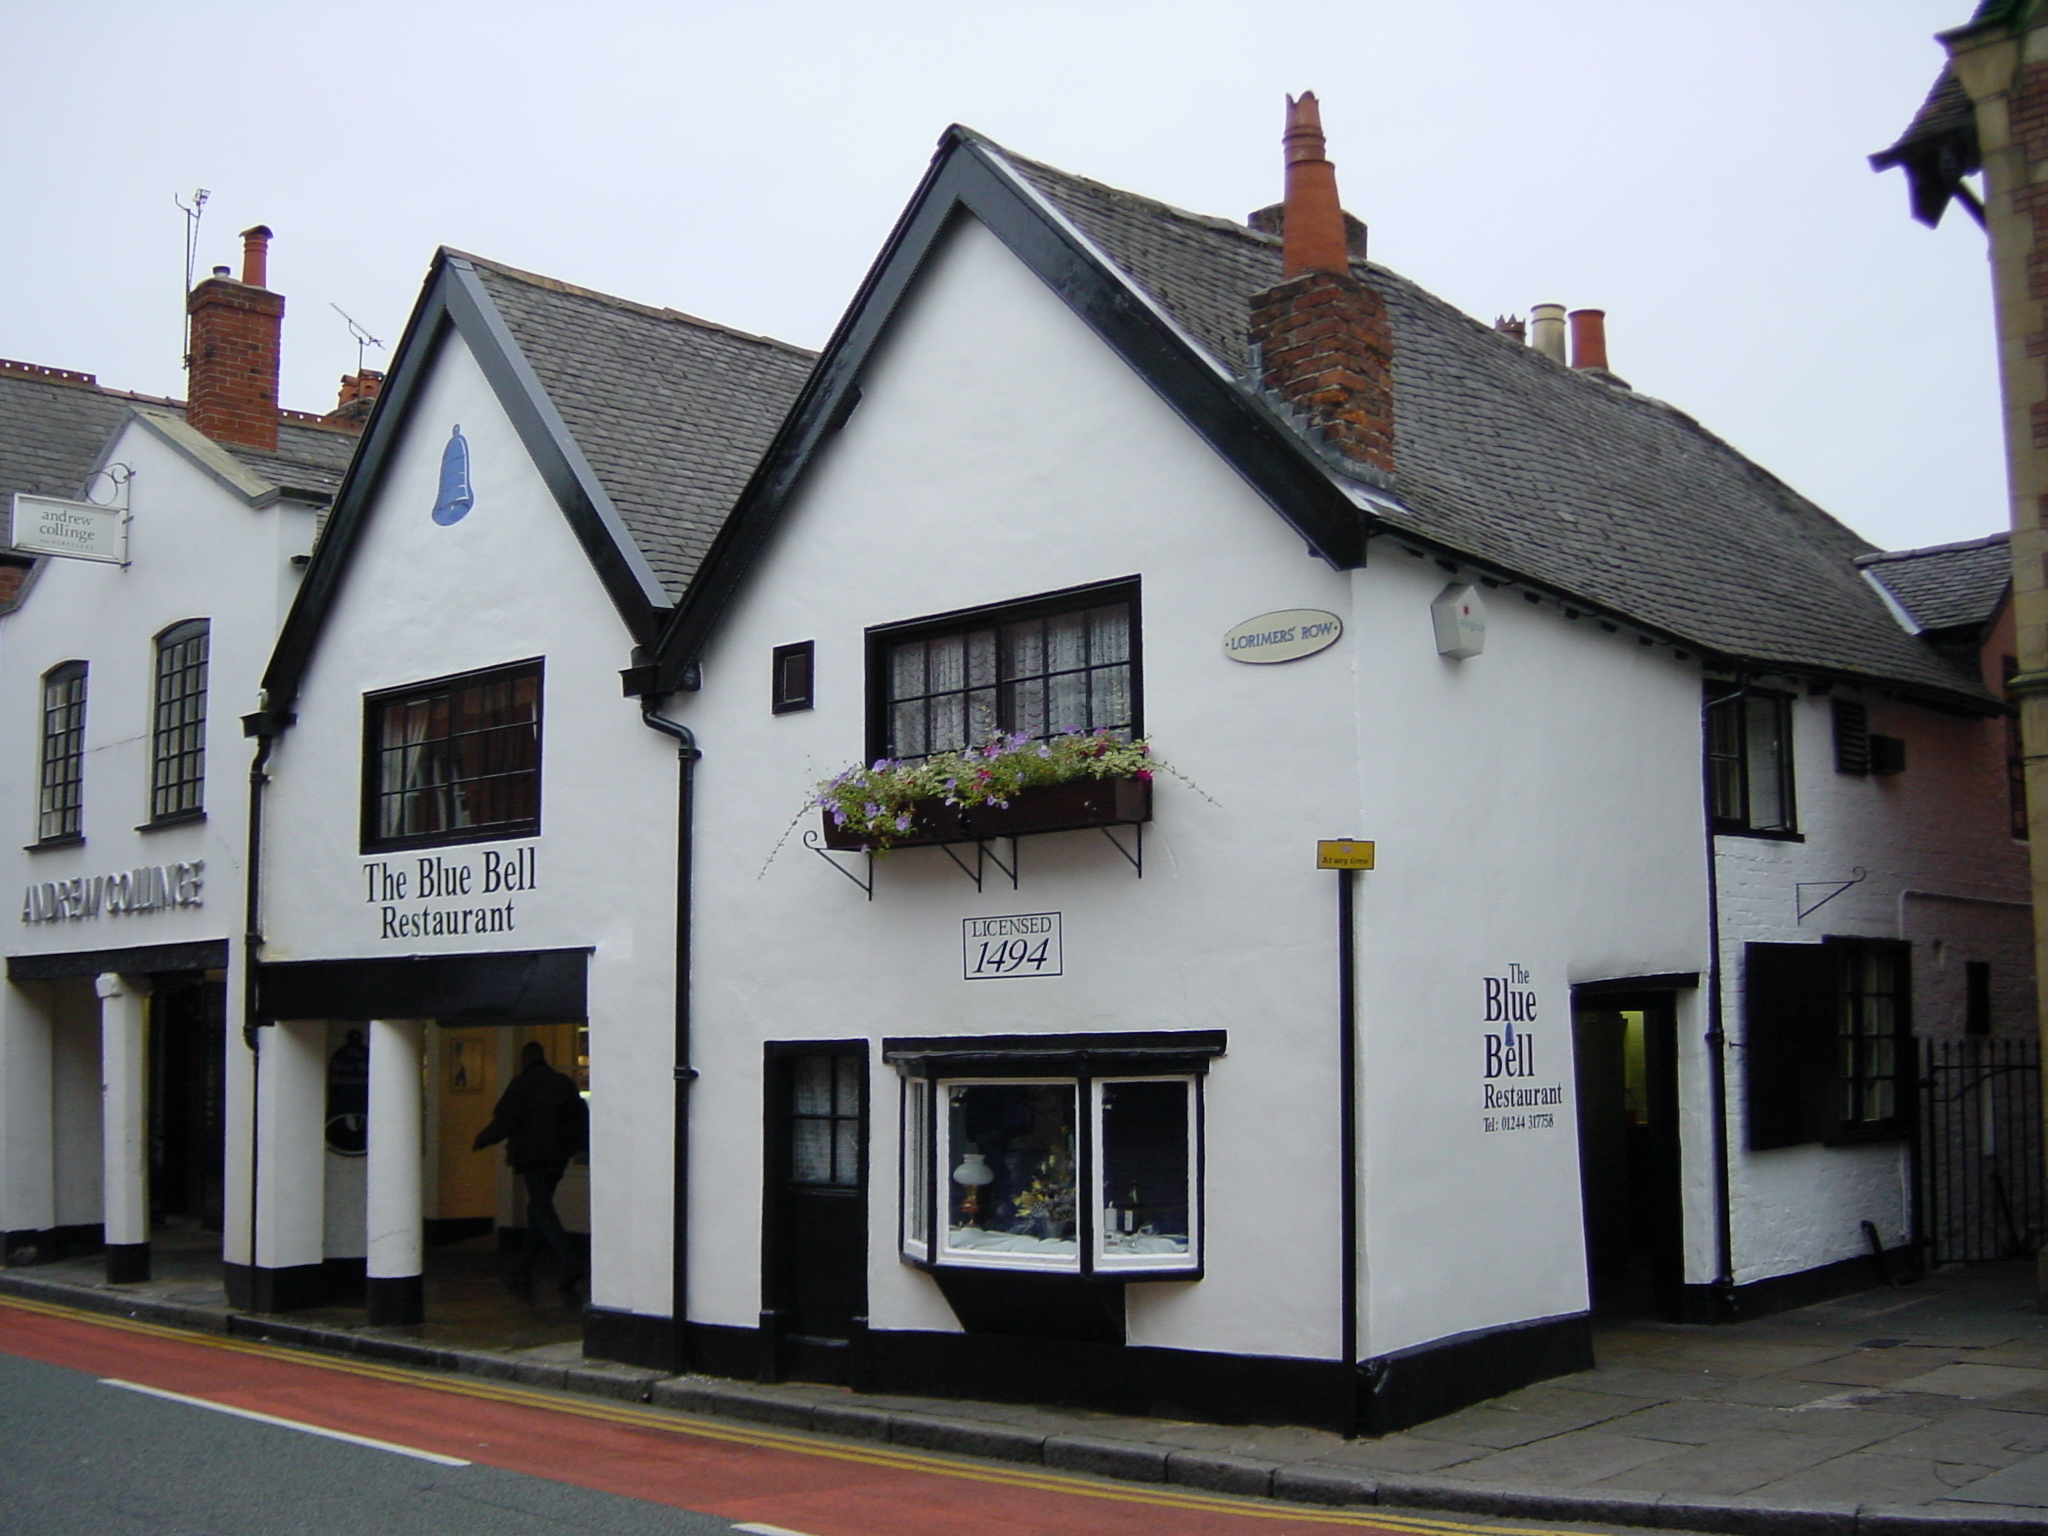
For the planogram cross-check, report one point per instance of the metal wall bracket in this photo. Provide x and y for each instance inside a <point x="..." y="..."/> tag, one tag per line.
<point x="984" y="855"/>
<point x="815" y="841"/>
<point x="1833" y="888"/>
<point x="1134" y="855"/>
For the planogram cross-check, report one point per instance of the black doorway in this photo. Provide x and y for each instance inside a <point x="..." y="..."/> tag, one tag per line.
<point x="814" y="1264"/>
<point x="1625" y="1046"/>
<point x="187" y="1102"/>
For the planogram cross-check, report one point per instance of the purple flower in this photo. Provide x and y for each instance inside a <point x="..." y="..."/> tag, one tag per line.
<point x="903" y="822"/>
<point x="1044" y="750"/>
<point x="838" y="817"/>
<point x="871" y="810"/>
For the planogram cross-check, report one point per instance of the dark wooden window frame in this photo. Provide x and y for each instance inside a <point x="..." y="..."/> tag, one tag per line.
<point x="1068" y="599"/>
<point x="793" y="677"/>
<point x="1081" y="1060"/>
<point x="373" y="794"/>
<point x="60" y="755"/>
<point x="1795" y="1005"/>
<point x="1732" y="815"/>
<point x="177" y="735"/>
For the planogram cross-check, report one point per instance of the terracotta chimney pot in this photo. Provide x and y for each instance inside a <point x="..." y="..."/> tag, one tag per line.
<point x="1312" y="238"/>
<point x="1589" y="338"/>
<point x="256" y="256"/>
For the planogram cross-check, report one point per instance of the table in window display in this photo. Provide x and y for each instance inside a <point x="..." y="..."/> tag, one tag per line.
<point x="1144" y="1144"/>
<point x="1009" y="1173"/>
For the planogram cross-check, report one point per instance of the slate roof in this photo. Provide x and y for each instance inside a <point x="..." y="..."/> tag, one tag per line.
<point x="1523" y="465"/>
<point x="672" y="412"/>
<point x="1947" y="586"/>
<point x="55" y="424"/>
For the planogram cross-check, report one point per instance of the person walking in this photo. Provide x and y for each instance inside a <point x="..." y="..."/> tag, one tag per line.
<point x="544" y="1122"/>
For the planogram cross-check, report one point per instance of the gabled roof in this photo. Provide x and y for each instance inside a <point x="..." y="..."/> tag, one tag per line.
<point x="642" y="422"/>
<point x="1505" y="461"/>
<point x="56" y="427"/>
<point x="1947" y="586"/>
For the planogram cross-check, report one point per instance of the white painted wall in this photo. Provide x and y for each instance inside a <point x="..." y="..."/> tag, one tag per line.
<point x="1942" y="870"/>
<point x="1535" y="805"/>
<point x="1000" y="452"/>
<point x="422" y="601"/>
<point x="197" y="549"/>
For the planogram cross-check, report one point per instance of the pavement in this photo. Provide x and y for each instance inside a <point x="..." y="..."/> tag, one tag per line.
<point x="1893" y="1412"/>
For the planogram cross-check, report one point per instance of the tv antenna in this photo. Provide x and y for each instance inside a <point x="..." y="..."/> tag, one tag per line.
<point x="361" y="332"/>
<point x="193" y="210"/>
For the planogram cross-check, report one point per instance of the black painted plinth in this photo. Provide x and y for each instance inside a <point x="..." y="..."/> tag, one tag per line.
<point x="127" y="1263"/>
<point x="284" y="1288"/>
<point x="396" y="1300"/>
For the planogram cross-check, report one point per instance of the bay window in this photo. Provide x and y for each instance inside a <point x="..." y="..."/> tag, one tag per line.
<point x="1061" y="1156"/>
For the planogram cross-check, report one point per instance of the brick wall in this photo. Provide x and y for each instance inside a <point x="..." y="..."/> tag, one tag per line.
<point x="1326" y="349"/>
<point x="232" y="394"/>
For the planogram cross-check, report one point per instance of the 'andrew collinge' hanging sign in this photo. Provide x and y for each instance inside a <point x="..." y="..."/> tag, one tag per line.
<point x="77" y="530"/>
<point x="1286" y="635"/>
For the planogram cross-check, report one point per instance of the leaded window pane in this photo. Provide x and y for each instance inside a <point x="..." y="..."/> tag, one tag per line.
<point x="61" y="781"/>
<point x="178" y="734"/>
<point x="1037" y="677"/>
<point x="461" y="757"/>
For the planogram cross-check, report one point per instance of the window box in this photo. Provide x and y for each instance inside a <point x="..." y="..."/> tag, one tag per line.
<point x="1035" y="808"/>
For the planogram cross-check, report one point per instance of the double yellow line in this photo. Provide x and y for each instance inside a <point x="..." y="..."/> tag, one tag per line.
<point x="669" y="1422"/>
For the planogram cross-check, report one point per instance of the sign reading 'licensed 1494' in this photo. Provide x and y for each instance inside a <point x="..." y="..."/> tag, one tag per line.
<point x="1287" y="635"/>
<point x="78" y="530"/>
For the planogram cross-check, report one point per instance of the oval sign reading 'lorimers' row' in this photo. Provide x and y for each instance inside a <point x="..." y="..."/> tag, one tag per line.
<point x="1288" y="635"/>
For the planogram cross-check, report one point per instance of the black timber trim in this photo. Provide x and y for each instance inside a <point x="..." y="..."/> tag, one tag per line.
<point x="542" y="985"/>
<point x="1165" y="1052"/>
<point x="1412" y="1386"/>
<point x="1708" y="1303"/>
<point x="966" y="179"/>
<point x="1665" y="981"/>
<point x="454" y="299"/>
<point x="138" y="960"/>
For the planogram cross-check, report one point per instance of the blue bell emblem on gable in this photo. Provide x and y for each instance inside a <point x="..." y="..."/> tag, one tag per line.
<point x="455" y="498"/>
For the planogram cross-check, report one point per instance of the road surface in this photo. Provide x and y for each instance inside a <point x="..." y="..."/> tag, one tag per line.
<point x="119" y="1428"/>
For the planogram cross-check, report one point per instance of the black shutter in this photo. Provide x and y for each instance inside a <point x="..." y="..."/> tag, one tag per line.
<point x="1791" y="1008"/>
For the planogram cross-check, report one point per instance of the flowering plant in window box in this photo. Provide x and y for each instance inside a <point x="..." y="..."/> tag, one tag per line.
<point x="1011" y="786"/>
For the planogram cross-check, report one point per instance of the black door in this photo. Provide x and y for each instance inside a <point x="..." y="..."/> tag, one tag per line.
<point x="1627" y="1077"/>
<point x="187" y="1101"/>
<point x="816" y="1219"/>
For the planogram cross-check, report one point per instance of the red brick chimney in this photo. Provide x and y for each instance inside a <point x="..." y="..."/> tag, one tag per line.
<point x="231" y="391"/>
<point x="1321" y="336"/>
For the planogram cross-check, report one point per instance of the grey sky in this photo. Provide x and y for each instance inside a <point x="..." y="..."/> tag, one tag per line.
<point x="1695" y="170"/>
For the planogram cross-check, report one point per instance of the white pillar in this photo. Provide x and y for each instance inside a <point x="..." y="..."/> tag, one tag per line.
<point x="291" y="1172"/>
<point x="28" y="1184"/>
<point x="124" y="1123"/>
<point x="395" y="1212"/>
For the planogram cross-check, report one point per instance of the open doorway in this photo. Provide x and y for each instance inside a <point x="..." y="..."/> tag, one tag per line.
<point x="187" y="1103"/>
<point x="1625" y="1046"/>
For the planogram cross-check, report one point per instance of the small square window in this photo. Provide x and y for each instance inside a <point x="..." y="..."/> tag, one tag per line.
<point x="792" y="677"/>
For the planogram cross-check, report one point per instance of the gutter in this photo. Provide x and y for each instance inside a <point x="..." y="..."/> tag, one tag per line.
<point x="687" y="754"/>
<point x="265" y="726"/>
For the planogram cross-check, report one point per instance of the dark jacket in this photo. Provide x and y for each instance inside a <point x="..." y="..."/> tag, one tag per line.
<point x="543" y="1118"/>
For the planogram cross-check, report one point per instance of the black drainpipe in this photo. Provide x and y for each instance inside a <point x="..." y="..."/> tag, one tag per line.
<point x="1347" y="1136"/>
<point x="1717" y="1036"/>
<point x="264" y="726"/>
<point x="685" y="1074"/>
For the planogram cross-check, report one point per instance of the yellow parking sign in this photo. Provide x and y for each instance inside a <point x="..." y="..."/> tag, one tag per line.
<point x="1343" y="853"/>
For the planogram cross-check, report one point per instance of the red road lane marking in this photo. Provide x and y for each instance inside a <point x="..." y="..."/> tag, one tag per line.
<point x="822" y="1490"/>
